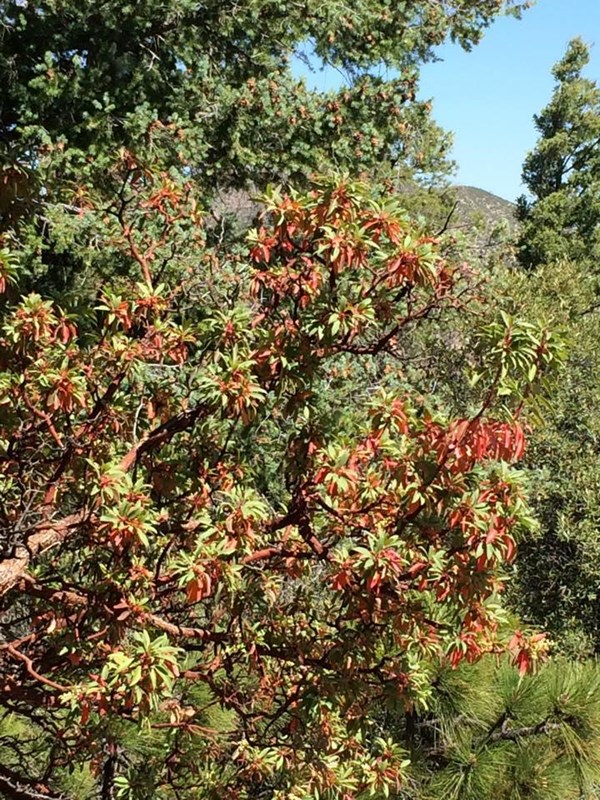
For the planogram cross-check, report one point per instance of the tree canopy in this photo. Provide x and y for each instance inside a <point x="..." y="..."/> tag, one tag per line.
<point x="217" y="514"/>
<point x="208" y="86"/>
<point x="262" y="485"/>
<point x="562" y="173"/>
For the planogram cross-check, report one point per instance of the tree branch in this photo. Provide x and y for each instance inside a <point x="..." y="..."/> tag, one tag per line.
<point x="45" y="535"/>
<point x="49" y="533"/>
<point x="163" y="434"/>
<point x="514" y="734"/>
<point x="14" y="787"/>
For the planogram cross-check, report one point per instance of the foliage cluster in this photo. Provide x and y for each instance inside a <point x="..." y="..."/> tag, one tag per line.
<point x="261" y="495"/>
<point x="299" y="585"/>
<point x="560" y="220"/>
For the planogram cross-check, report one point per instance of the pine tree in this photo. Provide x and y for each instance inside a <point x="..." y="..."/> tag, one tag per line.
<point x="562" y="173"/>
<point x="208" y="86"/>
<point x="557" y="587"/>
<point x="558" y="569"/>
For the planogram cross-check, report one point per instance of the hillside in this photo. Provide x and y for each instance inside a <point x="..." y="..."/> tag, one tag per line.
<point x="474" y="207"/>
<point x="474" y="202"/>
<point x="488" y="221"/>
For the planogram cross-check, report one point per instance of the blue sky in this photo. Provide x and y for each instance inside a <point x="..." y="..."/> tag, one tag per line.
<point x="488" y="97"/>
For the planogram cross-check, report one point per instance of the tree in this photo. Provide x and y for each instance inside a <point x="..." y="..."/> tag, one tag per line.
<point x="493" y="733"/>
<point x="563" y="171"/>
<point x="558" y="579"/>
<point x="557" y="570"/>
<point x="208" y="85"/>
<point x="245" y="547"/>
<point x="217" y="493"/>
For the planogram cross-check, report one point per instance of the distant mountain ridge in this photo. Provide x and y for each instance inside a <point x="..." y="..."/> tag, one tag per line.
<point x="472" y="200"/>
<point x="488" y="222"/>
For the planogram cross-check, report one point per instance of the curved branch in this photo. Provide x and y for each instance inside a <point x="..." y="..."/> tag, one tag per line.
<point x="49" y="533"/>
<point x="14" y="787"/>
<point x="45" y="535"/>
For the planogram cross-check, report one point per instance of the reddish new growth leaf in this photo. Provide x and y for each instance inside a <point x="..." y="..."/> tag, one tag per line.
<point x="528" y="651"/>
<point x="225" y="479"/>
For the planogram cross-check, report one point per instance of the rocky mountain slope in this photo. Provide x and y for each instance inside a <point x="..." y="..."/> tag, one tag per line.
<point x="473" y="201"/>
<point x="487" y="222"/>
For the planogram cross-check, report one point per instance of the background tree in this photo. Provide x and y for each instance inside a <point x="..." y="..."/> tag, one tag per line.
<point x="558" y="577"/>
<point x="562" y="173"/>
<point x="208" y="87"/>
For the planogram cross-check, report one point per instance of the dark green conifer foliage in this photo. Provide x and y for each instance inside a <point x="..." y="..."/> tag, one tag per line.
<point x="557" y="586"/>
<point x="208" y="87"/>
<point x="558" y="581"/>
<point x="562" y="173"/>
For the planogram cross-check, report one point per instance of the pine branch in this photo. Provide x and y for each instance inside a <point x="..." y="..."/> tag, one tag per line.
<point x="514" y="734"/>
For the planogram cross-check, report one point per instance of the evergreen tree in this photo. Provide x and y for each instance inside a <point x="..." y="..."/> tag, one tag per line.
<point x="558" y="570"/>
<point x="562" y="173"/>
<point x="208" y="87"/>
<point x="558" y="575"/>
